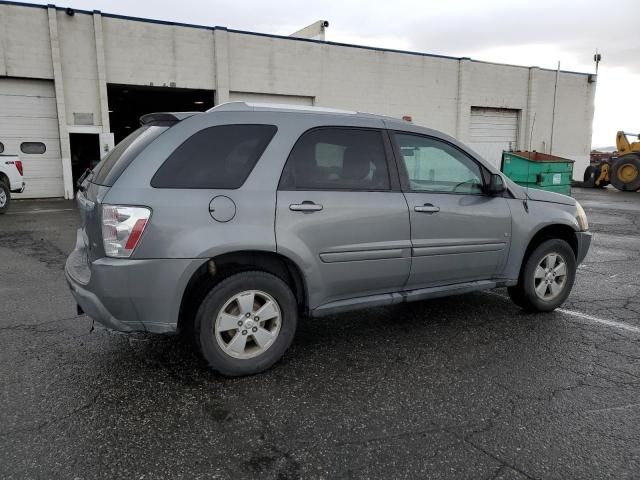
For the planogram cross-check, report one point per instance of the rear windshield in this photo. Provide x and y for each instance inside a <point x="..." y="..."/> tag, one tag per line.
<point x="118" y="159"/>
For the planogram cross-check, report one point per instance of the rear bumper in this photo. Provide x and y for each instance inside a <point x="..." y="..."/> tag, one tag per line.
<point x="584" y="242"/>
<point x="95" y="309"/>
<point x="129" y="295"/>
<point x="21" y="189"/>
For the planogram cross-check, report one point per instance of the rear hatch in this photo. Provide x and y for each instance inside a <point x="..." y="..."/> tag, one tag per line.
<point x="94" y="184"/>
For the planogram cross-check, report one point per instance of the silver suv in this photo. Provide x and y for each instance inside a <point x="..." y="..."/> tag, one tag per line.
<point x="232" y="224"/>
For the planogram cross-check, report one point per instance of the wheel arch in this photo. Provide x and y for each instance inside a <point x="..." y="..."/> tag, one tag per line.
<point x="217" y="268"/>
<point x="555" y="230"/>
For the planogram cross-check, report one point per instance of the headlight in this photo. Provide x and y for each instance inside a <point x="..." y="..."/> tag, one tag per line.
<point x="581" y="217"/>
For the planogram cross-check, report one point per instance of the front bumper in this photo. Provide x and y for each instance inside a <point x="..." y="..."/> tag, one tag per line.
<point x="584" y="242"/>
<point x="129" y="295"/>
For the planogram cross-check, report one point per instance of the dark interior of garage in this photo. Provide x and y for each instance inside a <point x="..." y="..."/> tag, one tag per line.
<point x="85" y="153"/>
<point x="127" y="103"/>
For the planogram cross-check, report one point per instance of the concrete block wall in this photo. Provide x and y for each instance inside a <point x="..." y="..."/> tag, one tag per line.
<point x="80" y="70"/>
<point x="24" y="39"/>
<point x="436" y="91"/>
<point x="140" y="53"/>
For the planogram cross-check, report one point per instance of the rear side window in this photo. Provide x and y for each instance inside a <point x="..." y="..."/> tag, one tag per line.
<point x="220" y="157"/>
<point x="1" y="147"/>
<point x="118" y="159"/>
<point x="337" y="158"/>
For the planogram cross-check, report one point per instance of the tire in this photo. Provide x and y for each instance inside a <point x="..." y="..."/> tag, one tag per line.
<point x="5" y="198"/>
<point x="625" y="173"/>
<point x="589" y="177"/>
<point x="547" y="299"/>
<point x="237" y="351"/>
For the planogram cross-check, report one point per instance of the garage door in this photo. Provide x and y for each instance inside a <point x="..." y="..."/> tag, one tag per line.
<point x="270" y="98"/>
<point x="28" y="114"/>
<point x="493" y="130"/>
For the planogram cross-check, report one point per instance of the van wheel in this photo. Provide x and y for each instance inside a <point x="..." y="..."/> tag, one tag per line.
<point x="5" y="198"/>
<point x="246" y="323"/>
<point x="547" y="277"/>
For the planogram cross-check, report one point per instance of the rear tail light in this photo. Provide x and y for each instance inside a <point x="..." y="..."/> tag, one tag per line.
<point x="19" y="166"/>
<point x="122" y="228"/>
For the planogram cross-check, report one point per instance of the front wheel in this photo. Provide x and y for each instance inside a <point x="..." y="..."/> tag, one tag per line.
<point x="246" y="323"/>
<point x="547" y="277"/>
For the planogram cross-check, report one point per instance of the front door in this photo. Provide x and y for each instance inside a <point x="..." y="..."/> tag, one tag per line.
<point x="458" y="233"/>
<point x="341" y="217"/>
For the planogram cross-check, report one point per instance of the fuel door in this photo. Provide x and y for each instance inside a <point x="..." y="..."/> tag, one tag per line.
<point x="222" y="209"/>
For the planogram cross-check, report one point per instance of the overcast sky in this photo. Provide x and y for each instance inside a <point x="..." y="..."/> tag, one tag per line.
<point x="508" y="31"/>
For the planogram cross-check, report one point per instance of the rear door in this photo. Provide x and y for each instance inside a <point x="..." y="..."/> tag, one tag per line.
<point x="458" y="232"/>
<point x="341" y="215"/>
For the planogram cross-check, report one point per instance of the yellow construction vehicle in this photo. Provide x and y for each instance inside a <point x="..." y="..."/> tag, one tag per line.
<point x="621" y="170"/>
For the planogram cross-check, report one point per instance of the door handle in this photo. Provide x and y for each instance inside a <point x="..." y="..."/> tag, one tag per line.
<point x="305" y="206"/>
<point x="426" y="208"/>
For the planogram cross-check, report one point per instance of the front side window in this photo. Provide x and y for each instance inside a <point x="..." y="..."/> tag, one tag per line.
<point x="435" y="166"/>
<point x="334" y="158"/>
<point x="1" y="147"/>
<point x="33" y="148"/>
<point x="220" y="157"/>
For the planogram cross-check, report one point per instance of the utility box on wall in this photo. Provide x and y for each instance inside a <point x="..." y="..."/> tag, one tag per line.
<point x="106" y="143"/>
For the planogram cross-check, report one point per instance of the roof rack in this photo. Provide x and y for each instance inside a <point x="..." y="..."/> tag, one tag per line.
<point x="257" y="106"/>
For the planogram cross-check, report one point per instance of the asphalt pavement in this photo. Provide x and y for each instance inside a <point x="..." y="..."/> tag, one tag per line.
<point x="461" y="387"/>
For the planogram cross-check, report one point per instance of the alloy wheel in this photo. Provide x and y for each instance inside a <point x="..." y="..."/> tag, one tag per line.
<point x="550" y="277"/>
<point x="248" y="324"/>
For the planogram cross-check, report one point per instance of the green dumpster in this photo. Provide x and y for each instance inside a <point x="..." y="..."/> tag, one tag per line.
<point x="538" y="170"/>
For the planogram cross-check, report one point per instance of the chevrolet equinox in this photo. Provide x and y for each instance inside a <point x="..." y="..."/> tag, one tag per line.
<point x="231" y="224"/>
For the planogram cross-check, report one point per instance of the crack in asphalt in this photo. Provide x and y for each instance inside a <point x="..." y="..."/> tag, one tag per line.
<point x="611" y="409"/>
<point x="55" y="420"/>
<point x="27" y="243"/>
<point x="34" y="326"/>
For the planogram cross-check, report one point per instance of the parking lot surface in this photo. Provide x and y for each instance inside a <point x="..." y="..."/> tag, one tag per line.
<point x="461" y="387"/>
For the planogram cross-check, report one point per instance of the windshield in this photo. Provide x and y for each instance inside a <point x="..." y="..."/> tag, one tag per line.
<point x="118" y="159"/>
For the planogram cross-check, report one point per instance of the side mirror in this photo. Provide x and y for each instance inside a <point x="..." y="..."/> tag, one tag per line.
<point x="496" y="185"/>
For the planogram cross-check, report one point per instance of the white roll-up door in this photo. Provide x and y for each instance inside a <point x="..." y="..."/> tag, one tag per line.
<point x="493" y="130"/>
<point x="270" y="98"/>
<point x="28" y="114"/>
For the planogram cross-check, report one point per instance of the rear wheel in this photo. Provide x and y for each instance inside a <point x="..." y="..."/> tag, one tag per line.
<point x="589" y="177"/>
<point x="547" y="277"/>
<point x="625" y="173"/>
<point x="246" y="323"/>
<point x="5" y="197"/>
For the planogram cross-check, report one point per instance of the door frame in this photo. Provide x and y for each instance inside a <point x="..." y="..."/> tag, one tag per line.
<point x="390" y="160"/>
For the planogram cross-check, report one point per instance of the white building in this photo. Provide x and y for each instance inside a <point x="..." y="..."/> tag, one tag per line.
<point x="67" y="76"/>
